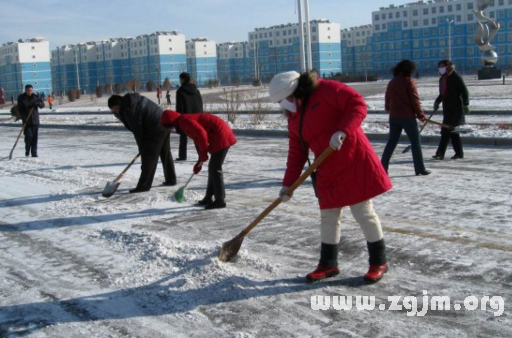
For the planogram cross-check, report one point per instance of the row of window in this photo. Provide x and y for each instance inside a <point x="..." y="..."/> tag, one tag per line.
<point x="433" y="10"/>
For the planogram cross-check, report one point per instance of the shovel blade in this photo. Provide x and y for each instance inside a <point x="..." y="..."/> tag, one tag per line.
<point x="406" y="149"/>
<point x="110" y="189"/>
<point x="230" y="249"/>
<point x="463" y="129"/>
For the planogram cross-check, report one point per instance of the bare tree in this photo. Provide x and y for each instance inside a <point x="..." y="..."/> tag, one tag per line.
<point x="233" y="100"/>
<point x="260" y="108"/>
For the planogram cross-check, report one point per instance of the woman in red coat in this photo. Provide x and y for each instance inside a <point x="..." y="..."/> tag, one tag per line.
<point x="211" y="135"/>
<point x="331" y="114"/>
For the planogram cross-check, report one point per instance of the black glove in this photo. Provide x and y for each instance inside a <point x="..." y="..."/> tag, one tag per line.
<point x="34" y="101"/>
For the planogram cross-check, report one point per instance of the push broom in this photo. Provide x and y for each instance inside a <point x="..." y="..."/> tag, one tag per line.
<point x="230" y="248"/>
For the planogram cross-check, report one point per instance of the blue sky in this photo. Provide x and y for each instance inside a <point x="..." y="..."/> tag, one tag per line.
<point x="70" y="21"/>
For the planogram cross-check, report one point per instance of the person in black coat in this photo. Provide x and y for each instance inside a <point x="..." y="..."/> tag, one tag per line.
<point x="188" y="100"/>
<point x="142" y="117"/>
<point x="28" y="106"/>
<point x="453" y="94"/>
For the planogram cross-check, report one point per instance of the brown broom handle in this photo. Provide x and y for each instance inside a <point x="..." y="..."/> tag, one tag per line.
<point x="441" y="124"/>
<point x="289" y="191"/>
<point x="127" y="167"/>
<point x="427" y="121"/>
<point x="23" y="128"/>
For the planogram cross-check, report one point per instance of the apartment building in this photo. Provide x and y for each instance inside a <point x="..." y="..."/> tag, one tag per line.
<point x="25" y="62"/>
<point x="202" y="60"/>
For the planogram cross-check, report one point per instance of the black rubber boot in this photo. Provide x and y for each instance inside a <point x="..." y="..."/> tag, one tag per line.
<point x="329" y="255"/>
<point x="377" y="252"/>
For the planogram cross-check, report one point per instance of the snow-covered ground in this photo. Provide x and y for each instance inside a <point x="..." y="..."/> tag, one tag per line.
<point x="76" y="264"/>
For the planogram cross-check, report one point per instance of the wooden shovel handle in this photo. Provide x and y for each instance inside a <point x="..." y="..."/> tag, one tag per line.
<point x="21" y="132"/>
<point x="127" y="167"/>
<point x="289" y="191"/>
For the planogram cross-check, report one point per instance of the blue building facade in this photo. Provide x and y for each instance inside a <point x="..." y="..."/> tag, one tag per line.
<point x="233" y="63"/>
<point x="25" y="62"/>
<point x="277" y="49"/>
<point x="202" y="60"/>
<point x="427" y="32"/>
<point x="128" y="62"/>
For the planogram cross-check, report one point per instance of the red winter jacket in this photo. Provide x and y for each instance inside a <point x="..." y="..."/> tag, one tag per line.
<point x="402" y="99"/>
<point x="354" y="173"/>
<point x="209" y="132"/>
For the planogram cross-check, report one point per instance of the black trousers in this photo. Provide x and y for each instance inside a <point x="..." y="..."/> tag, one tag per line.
<point x="215" y="185"/>
<point x="153" y="149"/>
<point x="446" y="135"/>
<point x="182" y="153"/>
<point x="31" y="137"/>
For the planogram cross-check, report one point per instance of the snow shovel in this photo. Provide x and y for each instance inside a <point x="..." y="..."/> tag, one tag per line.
<point x="230" y="248"/>
<point x="406" y="149"/>
<point x="21" y="131"/>
<point x="179" y="195"/>
<point x="111" y="187"/>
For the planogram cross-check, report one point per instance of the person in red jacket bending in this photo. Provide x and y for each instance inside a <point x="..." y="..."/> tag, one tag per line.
<point x="325" y="113"/>
<point x="211" y="135"/>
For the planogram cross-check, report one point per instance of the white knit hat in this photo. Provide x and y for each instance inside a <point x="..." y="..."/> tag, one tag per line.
<point x="283" y="85"/>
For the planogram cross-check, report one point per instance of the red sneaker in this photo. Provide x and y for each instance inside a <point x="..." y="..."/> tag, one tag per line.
<point x="376" y="272"/>
<point x="321" y="273"/>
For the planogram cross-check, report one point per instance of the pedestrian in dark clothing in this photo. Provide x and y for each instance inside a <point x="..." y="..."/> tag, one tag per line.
<point x="402" y="102"/>
<point x="188" y="100"/>
<point x="211" y="135"/>
<point x="142" y="117"/>
<point x="28" y="106"/>
<point x="168" y="97"/>
<point x="454" y="95"/>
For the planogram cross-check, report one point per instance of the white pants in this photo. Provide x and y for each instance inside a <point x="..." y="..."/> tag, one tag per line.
<point x="368" y="220"/>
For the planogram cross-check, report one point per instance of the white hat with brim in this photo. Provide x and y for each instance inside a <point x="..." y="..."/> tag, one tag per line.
<point x="283" y="85"/>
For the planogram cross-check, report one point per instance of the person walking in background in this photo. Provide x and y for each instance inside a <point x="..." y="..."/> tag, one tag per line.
<point x="168" y="97"/>
<point x="211" y="135"/>
<point x="325" y="113"/>
<point x="12" y="99"/>
<point x="50" y="101"/>
<point x="454" y="96"/>
<point x="159" y="93"/>
<point x="28" y="106"/>
<point x="402" y="102"/>
<point x="188" y="100"/>
<point x="142" y="117"/>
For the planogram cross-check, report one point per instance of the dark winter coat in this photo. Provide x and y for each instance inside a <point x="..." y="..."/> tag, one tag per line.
<point x="209" y="132"/>
<point x="354" y="173"/>
<point x="142" y="117"/>
<point x="25" y="105"/>
<point x="188" y="99"/>
<point x="402" y="99"/>
<point x="454" y="100"/>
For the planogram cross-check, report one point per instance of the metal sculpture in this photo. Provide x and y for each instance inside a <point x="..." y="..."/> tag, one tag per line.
<point x="485" y="31"/>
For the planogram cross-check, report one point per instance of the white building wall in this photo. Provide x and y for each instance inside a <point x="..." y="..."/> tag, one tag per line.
<point x="171" y="44"/>
<point x="33" y="52"/>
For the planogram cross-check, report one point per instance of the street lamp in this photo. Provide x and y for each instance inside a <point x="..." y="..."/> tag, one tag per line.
<point x="76" y="49"/>
<point x="449" y="38"/>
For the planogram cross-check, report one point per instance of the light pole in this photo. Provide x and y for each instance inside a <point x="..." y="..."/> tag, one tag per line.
<point x="449" y="38"/>
<point x="76" y="49"/>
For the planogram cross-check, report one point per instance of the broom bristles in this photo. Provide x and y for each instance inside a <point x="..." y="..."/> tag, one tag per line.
<point x="179" y="195"/>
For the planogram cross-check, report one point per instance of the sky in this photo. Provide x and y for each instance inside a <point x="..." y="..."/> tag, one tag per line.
<point x="67" y="22"/>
